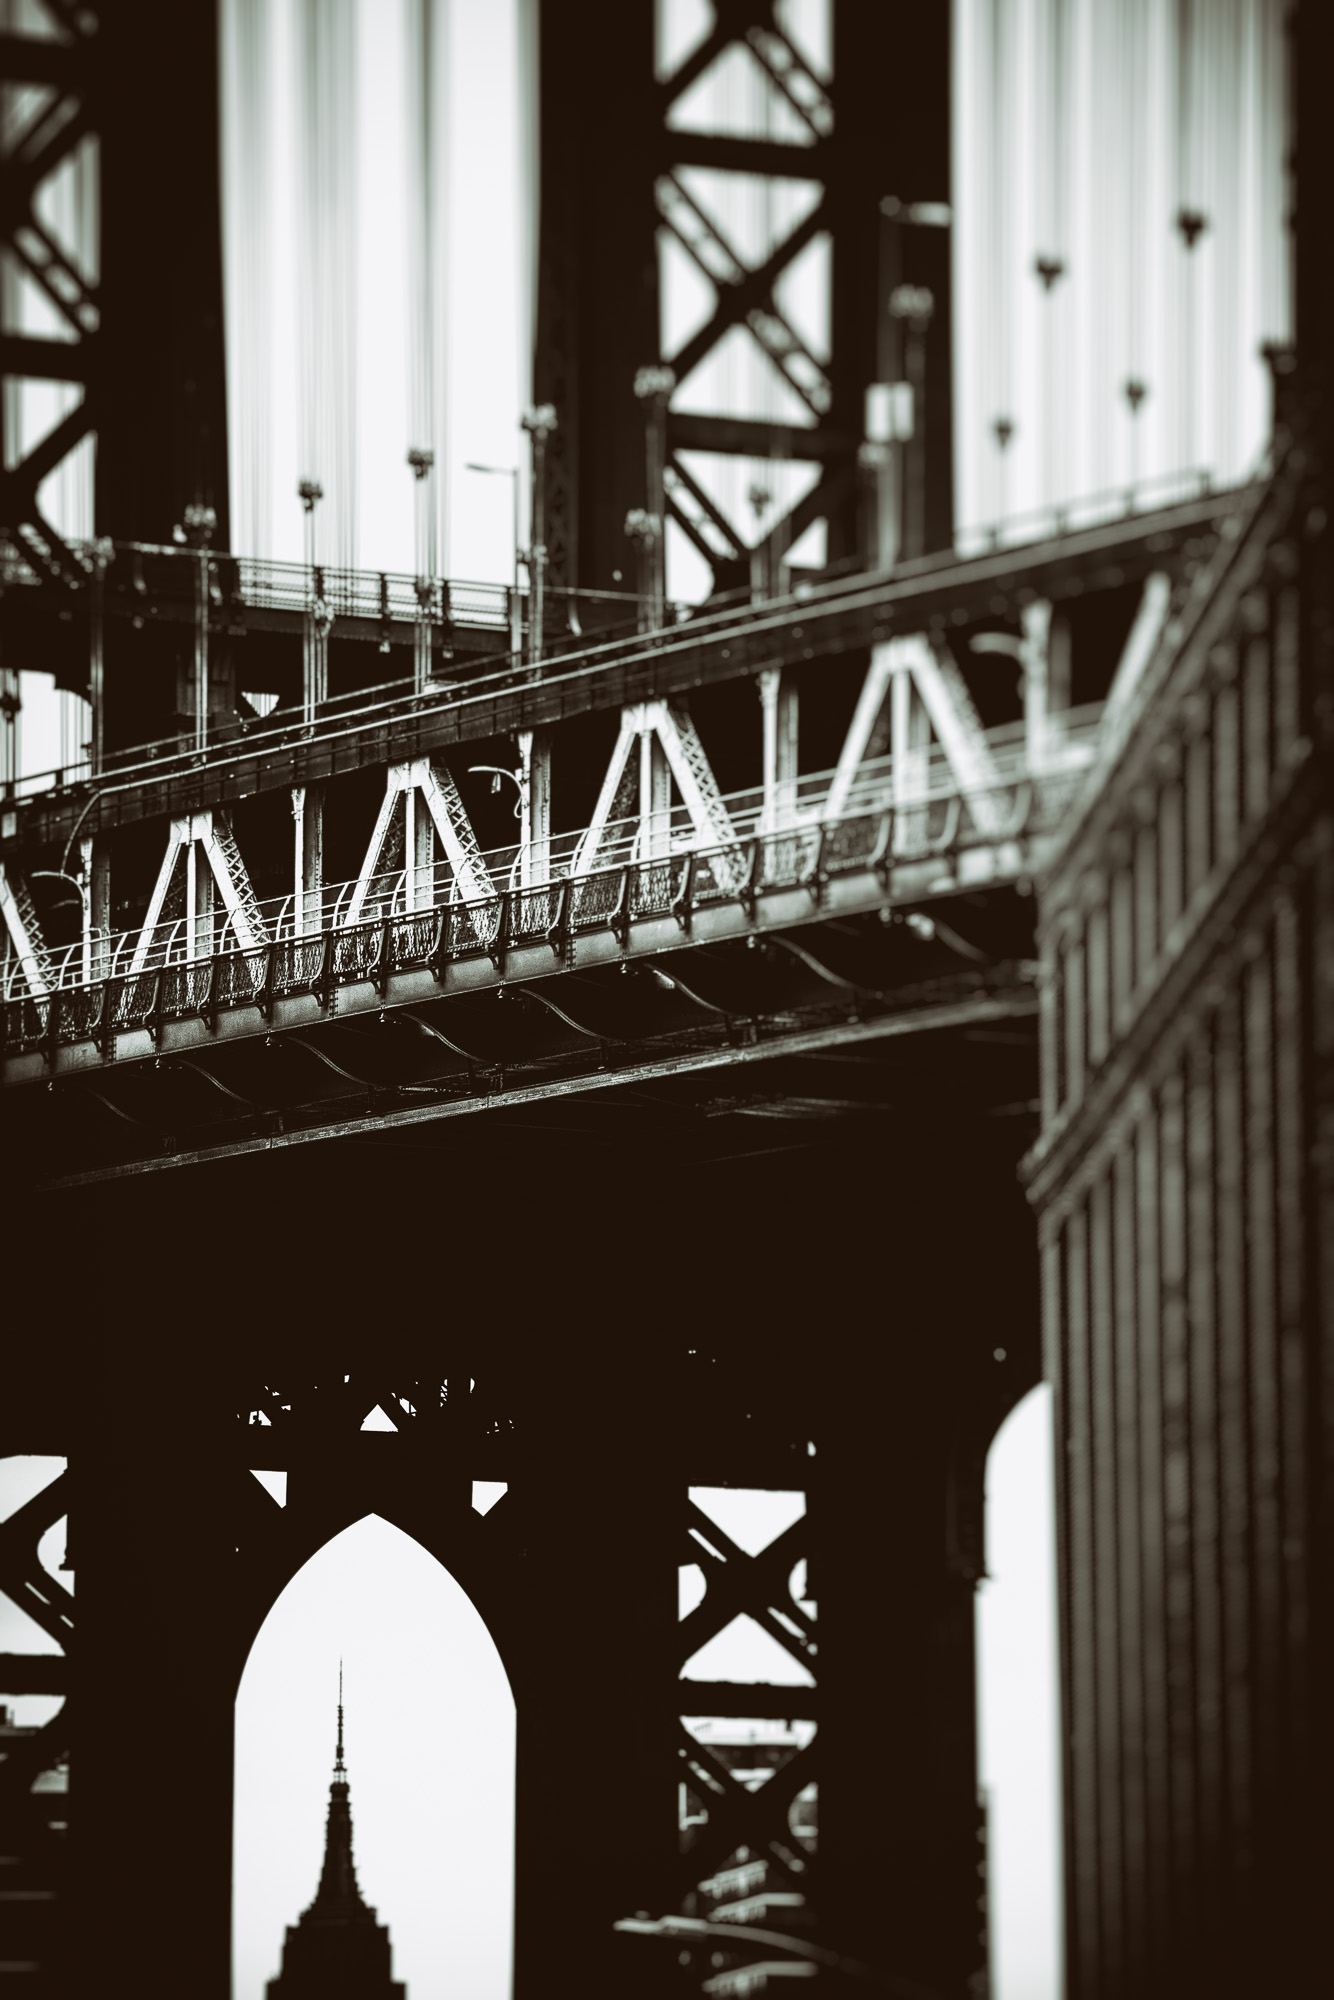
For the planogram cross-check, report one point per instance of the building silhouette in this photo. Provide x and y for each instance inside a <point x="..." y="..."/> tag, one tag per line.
<point x="337" y="1950"/>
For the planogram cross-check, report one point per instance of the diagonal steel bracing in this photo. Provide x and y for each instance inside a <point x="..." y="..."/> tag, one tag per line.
<point x="424" y="797"/>
<point x="24" y="933"/>
<point x="207" y="835"/>
<point x="916" y="683"/>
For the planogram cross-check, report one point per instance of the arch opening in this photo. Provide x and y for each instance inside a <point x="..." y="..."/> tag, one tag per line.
<point x="430" y="1753"/>
<point x="1018" y="1706"/>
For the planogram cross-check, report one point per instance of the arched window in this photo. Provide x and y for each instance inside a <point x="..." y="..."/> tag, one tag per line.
<point x="429" y="1734"/>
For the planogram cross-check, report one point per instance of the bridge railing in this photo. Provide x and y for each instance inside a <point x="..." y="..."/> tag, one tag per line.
<point x="612" y="629"/>
<point x="1089" y="510"/>
<point x="181" y="970"/>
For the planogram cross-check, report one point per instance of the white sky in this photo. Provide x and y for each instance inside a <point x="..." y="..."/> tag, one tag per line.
<point x="430" y="1756"/>
<point x="1018" y="1705"/>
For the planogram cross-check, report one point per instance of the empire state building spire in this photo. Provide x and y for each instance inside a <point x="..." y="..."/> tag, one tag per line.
<point x="337" y="1946"/>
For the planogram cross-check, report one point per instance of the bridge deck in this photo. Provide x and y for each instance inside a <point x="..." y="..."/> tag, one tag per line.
<point x="146" y="995"/>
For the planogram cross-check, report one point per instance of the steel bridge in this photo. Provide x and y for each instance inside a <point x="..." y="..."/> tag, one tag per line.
<point x="634" y="1047"/>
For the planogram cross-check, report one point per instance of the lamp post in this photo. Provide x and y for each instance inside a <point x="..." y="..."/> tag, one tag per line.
<point x="421" y="460"/>
<point x="510" y="472"/>
<point x="539" y="424"/>
<point x="314" y="690"/>
<point x="199" y="522"/>
<point x="308" y="492"/>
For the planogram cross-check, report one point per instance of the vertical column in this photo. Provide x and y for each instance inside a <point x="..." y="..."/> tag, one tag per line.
<point x="421" y="635"/>
<point x="596" y="1834"/>
<point x="421" y="460"/>
<point x="153" y="1534"/>
<point x="410" y="817"/>
<point x="534" y="805"/>
<point x="201" y="650"/>
<point x="96" y="655"/>
<point x="418" y="850"/>
<point x="897" y="1883"/>
<point x="10" y="706"/>
<point x="198" y="903"/>
<point x="655" y="796"/>
<point x="86" y="916"/>
<point x="97" y="878"/>
<point x="314" y="688"/>
<point x="653" y="387"/>
<point x="1058" y="686"/>
<point x="539" y="423"/>
<point x="1037" y="624"/>
<point x="307" y="858"/>
<point x="778" y="699"/>
<point x="909" y="736"/>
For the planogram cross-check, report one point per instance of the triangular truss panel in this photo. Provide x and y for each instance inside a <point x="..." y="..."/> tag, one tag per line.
<point x="738" y="96"/>
<point x="739" y="378"/>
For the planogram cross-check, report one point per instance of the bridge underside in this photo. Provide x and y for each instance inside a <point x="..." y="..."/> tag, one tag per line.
<point x="863" y="991"/>
<point x="651" y="1287"/>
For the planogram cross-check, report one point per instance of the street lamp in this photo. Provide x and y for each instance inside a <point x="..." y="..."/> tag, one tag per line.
<point x="520" y="781"/>
<point x="421" y="460"/>
<point x="308" y="492"/>
<point x="314" y="676"/>
<point x="539" y="423"/>
<point x="510" y="472"/>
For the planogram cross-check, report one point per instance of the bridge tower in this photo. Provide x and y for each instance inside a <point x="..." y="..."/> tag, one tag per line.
<point x="879" y="204"/>
<point x="141" y="330"/>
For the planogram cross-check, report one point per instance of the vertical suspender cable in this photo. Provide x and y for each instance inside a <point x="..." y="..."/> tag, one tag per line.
<point x="443" y="172"/>
<point x="426" y="25"/>
<point x="1060" y="383"/>
<point x="417" y="18"/>
<point x="1050" y="262"/>
<point x="1134" y="386"/>
<point x="1276" y="232"/>
<point x="1217" y="318"/>
<point x="327" y="266"/>
<point x="247" y="198"/>
<point x="999" y="287"/>
<point x="1186" y="223"/>
<point x="530" y="190"/>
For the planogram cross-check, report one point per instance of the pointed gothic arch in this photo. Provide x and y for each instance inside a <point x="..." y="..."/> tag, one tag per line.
<point x="431" y="1746"/>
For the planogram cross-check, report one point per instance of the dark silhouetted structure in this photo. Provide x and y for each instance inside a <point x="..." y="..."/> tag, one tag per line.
<point x="939" y="858"/>
<point x="337" y="1947"/>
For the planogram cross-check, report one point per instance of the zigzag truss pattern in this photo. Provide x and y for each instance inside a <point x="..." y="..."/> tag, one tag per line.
<point x="915" y="753"/>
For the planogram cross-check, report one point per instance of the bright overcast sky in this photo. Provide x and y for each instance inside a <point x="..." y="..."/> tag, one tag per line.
<point x="430" y="1757"/>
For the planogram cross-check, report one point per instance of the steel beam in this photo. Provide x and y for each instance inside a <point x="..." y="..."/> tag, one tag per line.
<point x="820" y="622"/>
<point x="975" y="1012"/>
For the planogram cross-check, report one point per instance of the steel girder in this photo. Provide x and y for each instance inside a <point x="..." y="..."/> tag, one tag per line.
<point x="877" y="128"/>
<point x="143" y="338"/>
<point x="61" y="73"/>
<point x="600" y="1440"/>
<point x="997" y="588"/>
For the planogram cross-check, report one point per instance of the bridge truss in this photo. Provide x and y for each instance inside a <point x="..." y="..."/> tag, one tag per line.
<point x="592" y="1058"/>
